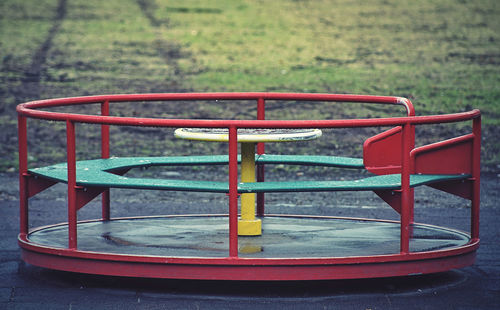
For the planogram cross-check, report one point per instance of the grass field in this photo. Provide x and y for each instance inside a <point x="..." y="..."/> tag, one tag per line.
<point x="443" y="55"/>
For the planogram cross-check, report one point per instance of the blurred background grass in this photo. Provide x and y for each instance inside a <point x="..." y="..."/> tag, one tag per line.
<point x="443" y="55"/>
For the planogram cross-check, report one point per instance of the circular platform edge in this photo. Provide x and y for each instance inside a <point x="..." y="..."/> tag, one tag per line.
<point x="234" y="268"/>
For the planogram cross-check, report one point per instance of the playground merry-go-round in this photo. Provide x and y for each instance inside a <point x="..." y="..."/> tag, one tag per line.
<point x="246" y="243"/>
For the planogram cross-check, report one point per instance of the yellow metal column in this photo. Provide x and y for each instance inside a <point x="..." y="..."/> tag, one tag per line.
<point x="248" y="225"/>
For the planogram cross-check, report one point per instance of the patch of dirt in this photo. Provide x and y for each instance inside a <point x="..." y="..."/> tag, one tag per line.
<point x="47" y="140"/>
<point x="148" y="7"/>
<point x="31" y="82"/>
<point x="43" y="136"/>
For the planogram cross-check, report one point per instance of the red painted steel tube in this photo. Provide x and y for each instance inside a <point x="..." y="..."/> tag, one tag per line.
<point x="105" y="131"/>
<point x="351" y="123"/>
<point x="23" y="170"/>
<point x="476" y="174"/>
<point x="261" y="115"/>
<point x="411" y="193"/>
<point x="71" y="160"/>
<point x="405" y="189"/>
<point x="28" y="108"/>
<point x="260" y="196"/>
<point x="105" y="205"/>
<point x="233" y="192"/>
<point x="105" y="153"/>
<point x="226" y="96"/>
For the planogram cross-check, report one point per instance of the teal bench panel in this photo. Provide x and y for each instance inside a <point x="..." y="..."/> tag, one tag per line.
<point x="116" y="164"/>
<point x="90" y="174"/>
<point x="96" y="173"/>
<point x="121" y="163"/>
<point x="378" y="182"/>
<point x="313" y="160"/>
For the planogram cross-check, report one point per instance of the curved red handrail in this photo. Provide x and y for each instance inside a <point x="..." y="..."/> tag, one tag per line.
<point x="221" y="96"/>
<point x="31" y="109"/>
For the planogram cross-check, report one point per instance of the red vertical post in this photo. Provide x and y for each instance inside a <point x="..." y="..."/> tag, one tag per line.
<point x="261" y="115"/>
<point x="411" y="199"/>
<point x="233" y="192"/>
<point x="105" y="131"/>
<point x="22" y="129"/>
<point x="476" y="174"/>
<point x="71" y="162"/>
<point x="406" y="196"/>
<point x="105" y="154"/>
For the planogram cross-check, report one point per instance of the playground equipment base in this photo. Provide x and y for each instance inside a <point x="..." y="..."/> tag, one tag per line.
<point x="290" y="248"/>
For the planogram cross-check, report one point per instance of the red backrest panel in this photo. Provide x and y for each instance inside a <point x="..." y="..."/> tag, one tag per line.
<point x="453" y="156"/>
<point x="382" y="152"/>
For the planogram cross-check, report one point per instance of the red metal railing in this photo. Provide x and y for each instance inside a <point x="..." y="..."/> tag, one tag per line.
<point x="105" y="153"/>
<point x="33" y="110"/>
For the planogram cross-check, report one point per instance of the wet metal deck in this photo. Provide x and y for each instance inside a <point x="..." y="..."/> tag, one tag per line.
<point x="283" y="237"/>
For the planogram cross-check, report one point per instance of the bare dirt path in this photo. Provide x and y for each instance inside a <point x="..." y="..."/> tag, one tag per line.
<point x="169" y="51"/>
<point x="30" y="87"/>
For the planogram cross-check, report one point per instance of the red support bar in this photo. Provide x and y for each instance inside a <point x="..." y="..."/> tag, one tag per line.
<point x="105" y="131"/>
<point x="233" y="192"/>
<point x="261" y="115"/>
<point x="411" y="199"/>
<point x="476" y="174"/>
<point x="23" y="173"/>
<point x="105" y="153"/>
<point x="105" y="205"/>
<point x="85" y="195"/>
<point x="406" y="203"/>
<point x="411" y="193"/>
<point x="37" y="185"/>
<point x="391" y="197"/>
<point x="72" y="208"/>
<point x="260" y="196"/>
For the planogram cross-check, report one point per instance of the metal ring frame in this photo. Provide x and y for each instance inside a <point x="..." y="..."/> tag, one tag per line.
<point x="233" y="266"/>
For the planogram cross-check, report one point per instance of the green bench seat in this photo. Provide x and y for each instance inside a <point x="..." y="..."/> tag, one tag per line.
<point x="101" y="173"/>
<point x="120" y="163"/>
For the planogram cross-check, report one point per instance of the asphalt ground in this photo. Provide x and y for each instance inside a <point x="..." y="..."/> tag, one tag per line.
<point x="24" y="286"/>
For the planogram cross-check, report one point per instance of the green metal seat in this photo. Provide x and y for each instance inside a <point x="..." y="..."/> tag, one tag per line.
<point x="106" y="173"/>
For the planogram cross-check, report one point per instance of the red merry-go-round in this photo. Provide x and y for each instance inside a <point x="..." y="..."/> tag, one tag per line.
<point x="246" y="243"/>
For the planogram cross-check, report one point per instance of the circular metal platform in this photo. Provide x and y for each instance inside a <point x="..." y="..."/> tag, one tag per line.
<point x="290" y="248"/>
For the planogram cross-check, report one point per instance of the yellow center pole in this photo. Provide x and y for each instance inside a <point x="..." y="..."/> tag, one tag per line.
<point x="248" y="225"/>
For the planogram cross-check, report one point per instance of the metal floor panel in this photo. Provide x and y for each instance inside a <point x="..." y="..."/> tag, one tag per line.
<point x="282" y="237"/>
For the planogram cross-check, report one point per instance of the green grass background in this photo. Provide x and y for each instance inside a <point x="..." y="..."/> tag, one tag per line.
<point x="443" y="55"/>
